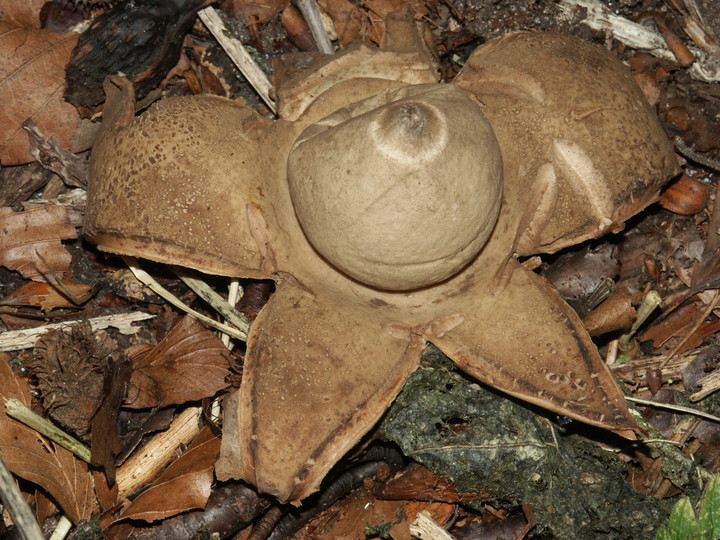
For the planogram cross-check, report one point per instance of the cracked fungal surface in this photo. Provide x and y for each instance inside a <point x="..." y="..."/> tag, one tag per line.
<point x="360" y="294"/>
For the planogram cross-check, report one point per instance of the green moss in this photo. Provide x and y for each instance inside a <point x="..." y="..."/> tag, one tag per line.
<point x="487" y="443"/>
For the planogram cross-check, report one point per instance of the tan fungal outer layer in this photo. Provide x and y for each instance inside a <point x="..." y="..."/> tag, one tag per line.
<point x="582" y="148"/>
<point x="401" y="190"/>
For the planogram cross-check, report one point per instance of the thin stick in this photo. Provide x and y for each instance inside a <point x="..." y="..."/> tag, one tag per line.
<point x="149" y="281"/>
<point x="20" y="412"/>
<point x="239" y="55"/>
<point x="218" y="303"/>
<point x="234" y="294"/>
<point x="147" y="462"/>
<point x="311" y="13"/>
<point x="15" y="340"/>
<point x="17" y="507"/>
<point x="426" y="527"/>
<point x="689" y="153"/>
<point x="678" y="408"/>
<point x="61" y="529"/>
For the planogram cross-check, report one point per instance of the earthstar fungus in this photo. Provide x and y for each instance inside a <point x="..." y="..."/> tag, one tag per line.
<point x="383" y="213"/>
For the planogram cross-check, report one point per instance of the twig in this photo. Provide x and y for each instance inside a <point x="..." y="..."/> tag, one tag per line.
<point x="710" y="383"/>
<point x="149" y="281"/>
<point x="222" y="306"/>
<point x="20" y="412"/>
<point x="239" y="55"/>
<point x="61" y="529"/>
<point x="637" y="36"/>
<point x="311" y="13"/>
<point x="692" y="155"/>
<point x="146" y="463"/>
<point x="16" y="340"/>
<point x="678" y="408"/>
<point x="426" y="528"/>
<point x="235" y="292"/>
<point x="19" y="510"/>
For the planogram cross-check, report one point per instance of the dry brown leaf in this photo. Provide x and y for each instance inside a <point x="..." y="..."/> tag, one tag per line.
<point x="378" y="11"/>
<point x="417" y="482"/>
<point x="46" y="296"/>
<point x="342" y="520"/>
<point x="32" y="76"/>
<point x="676" y="324"/>
<point x="105" y="441"/>
<point x="25" y="13"/>
<point x="185" y="484"/>
<point x="34" y="458"/>
<point x="189" y="364"/>
<point x="30" y="240"/>
<point x="346" y="17"/>
<point x="255" y="11"/>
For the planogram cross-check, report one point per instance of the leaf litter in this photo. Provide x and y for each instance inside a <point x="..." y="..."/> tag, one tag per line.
<point x="673" y="253"/>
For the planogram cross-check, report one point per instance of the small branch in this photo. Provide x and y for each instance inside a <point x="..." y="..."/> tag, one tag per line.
<point x="234" y="294"/>
<point x="311" y="13"/>
<point x="147" y="462"/>
<point x="217" y="302"/>
<point x="239" y="55"/>
<point x="149" y="281"/>
<point x="16" y="506"/>
<point x="677" y="408"/>
<point x="20" y="412"/>
<point x="16" y="340"/>
<point x="426" y="528"/>
<point x="692" y="155"/>
<point x="61" y="529"/>
<point x="709" y="384"/>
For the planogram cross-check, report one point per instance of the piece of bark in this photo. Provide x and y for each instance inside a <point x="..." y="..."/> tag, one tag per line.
<point x="142" y="39"/>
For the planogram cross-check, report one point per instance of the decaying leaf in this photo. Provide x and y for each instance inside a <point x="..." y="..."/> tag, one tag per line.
<point x="379" y="10"/>
<point x="19" y="183"/>
<point x="32" y="75"/>
<point x="255" y="11"/>
<point x="68" y="166"/>
<point x="32" y="457"/>
<point x="183" y="486"/>
<point x="30" y="240"/>
<point x="45" y="295"/>
<point x="189" y="364"/>
<point x="104" y="438"/>
<point x="21" y="13"/>
<point x="419" y="483"/>
<point x="380" y="517"/>
<point x="346" y="17"/>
